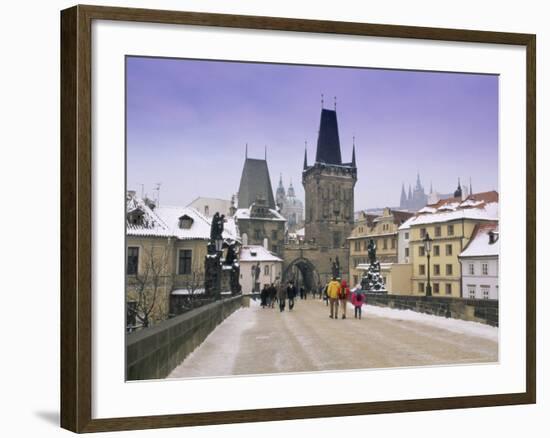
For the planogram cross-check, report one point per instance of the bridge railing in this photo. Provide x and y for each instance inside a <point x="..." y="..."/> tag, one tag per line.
<point x="484" y="311"/>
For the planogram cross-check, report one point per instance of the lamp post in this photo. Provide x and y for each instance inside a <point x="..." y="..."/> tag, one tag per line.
<point x="428" y="249"/>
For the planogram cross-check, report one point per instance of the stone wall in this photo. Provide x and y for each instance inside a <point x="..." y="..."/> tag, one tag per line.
<point x="484" y="311"/>
<point x="154" y="352"/>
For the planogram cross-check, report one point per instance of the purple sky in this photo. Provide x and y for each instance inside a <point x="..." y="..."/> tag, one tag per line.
<point x="188" y="123"/>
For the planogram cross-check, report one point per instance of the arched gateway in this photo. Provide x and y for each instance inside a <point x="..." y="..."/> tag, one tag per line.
<point x="303" y="273"/>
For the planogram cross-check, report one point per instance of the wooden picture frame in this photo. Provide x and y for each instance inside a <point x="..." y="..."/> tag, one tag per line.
<point x="76" y="218"/>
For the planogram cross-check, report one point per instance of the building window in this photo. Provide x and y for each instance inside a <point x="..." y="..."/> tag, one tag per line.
<point x="245" y="239"/>
<point x="437" y="270"/>
<point x="357" y="246"/>
<point x="485" y="269"/>
<point x="257" y="234"/>
<point x="422" y="269"/>
<point x="132" y="261"/>
<point x="365" y="244"/>
<point x="407" y="235"/>
<point x="184" y="262"/>
<point x="385" y="243"/>
<point x="336" y="239"/>
<point x="274" y="248"/>
<point x="438" y="231"/>
<point x="406" y="252"/>
<point x="266" y="270"/>
<point x="436" y="250"/>
<point x="448" y="288"/>
<point x="422" y="232"/>
<point x="485" y="292"/>
<point x="421" y="287"/>
<point x="449" y="249"/>
<point x="450" y="230"/>
<point x="421" y="251"/>
<point x="471" y="269"/>
<point x="274" y="235"/>
<point x="472" y="291"/>
<point x="393" y="244"/>
<point x="449" y="269"/>
<point x="436" y="288"/>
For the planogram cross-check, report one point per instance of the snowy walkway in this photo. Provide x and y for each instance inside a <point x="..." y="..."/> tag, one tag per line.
<point x="256" y="341"/>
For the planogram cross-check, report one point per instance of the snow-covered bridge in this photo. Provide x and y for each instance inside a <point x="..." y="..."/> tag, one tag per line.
<point x="255" y="341"/>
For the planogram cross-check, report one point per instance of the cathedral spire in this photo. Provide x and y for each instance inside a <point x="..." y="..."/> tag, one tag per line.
<point x="458" y="191"/>
<point x="471" y="192"/>
<point x="403" y="200"/>
<point x="305" y="155"/>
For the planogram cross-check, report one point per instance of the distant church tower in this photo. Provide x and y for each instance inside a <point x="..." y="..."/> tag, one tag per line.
<point x="329" y="186"/>
<point x="280" y="195"/>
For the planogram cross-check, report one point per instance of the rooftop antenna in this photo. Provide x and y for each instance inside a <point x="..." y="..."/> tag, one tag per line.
<point x="157" y="188"/>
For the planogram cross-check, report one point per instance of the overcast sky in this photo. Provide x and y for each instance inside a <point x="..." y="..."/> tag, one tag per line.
<point x="188" y="122"/>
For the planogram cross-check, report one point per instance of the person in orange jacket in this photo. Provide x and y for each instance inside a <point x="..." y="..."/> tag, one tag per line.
<point x="343" y="296"/>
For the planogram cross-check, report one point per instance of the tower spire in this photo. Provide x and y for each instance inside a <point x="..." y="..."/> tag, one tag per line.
<point x="353" y="154"/>
<point x="471" y="192"/>
<point x="265" y="152"/>
<point x="305" y="155"/>
<point x="246" y="151"/>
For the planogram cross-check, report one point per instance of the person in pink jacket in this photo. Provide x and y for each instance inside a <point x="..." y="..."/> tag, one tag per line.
<point x="357" y="300"/>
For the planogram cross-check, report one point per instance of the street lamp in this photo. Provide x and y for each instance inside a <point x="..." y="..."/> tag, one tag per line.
<point x="428" y="249"/>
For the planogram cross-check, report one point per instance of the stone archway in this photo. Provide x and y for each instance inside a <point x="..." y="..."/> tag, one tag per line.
<point x="303" y="273"/>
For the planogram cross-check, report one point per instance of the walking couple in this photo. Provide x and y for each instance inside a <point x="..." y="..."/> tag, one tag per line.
<point x="286" y="293"/>
<point x="338" y="296"/>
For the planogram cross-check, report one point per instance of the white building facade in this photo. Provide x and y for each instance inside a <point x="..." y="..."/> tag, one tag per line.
<point x="480" y="264"/>
<point x="259" y="267"/>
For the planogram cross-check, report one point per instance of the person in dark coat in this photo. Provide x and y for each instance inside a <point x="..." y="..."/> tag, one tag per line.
<point x="281" y="296"/>
<point x="263" y="296"/>
<point x="291" y="294"/>
<point x="271" y="294"/>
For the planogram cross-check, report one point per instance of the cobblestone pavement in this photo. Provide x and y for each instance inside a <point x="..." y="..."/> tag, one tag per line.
<point x="259" y="341"/>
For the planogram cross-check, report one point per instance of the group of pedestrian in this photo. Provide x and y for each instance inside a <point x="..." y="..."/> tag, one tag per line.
<point x="282" y="294"/>
<point x="337" y="294"/>
<point x="268" y="296"/>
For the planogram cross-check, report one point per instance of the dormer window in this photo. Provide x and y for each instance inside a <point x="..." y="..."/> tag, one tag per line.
<point x="185" y="222"/>
<point x="135" y="217"/>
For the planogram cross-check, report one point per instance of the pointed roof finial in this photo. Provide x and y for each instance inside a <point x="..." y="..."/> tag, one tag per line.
<point x="353" y="153"/>
<point x="322" y="101"/>
<point x="246" y="151"/>
<point x="334" y="103"/>
<point x="471" y="186"/>
<point x="305" y="155"/>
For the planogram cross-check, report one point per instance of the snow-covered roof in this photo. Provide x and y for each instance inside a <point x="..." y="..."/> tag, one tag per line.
<point x="407" y="224"/>
<point x="165" y="222"/>
<point x="257" y="253"/>
<point x="479" y="244"/>
<point x="244" y="213"/>
<point x="485" y="212"/>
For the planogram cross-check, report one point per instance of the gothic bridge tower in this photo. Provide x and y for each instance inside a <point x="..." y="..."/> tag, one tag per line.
<point x="329" y="189"/>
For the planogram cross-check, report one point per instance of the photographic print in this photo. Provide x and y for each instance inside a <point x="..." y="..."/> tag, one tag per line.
<point x="289" y="218"/>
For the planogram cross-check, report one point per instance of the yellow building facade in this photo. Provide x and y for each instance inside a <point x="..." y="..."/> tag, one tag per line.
<point x="450" y="224"/>
<point x="380" y="228"/>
